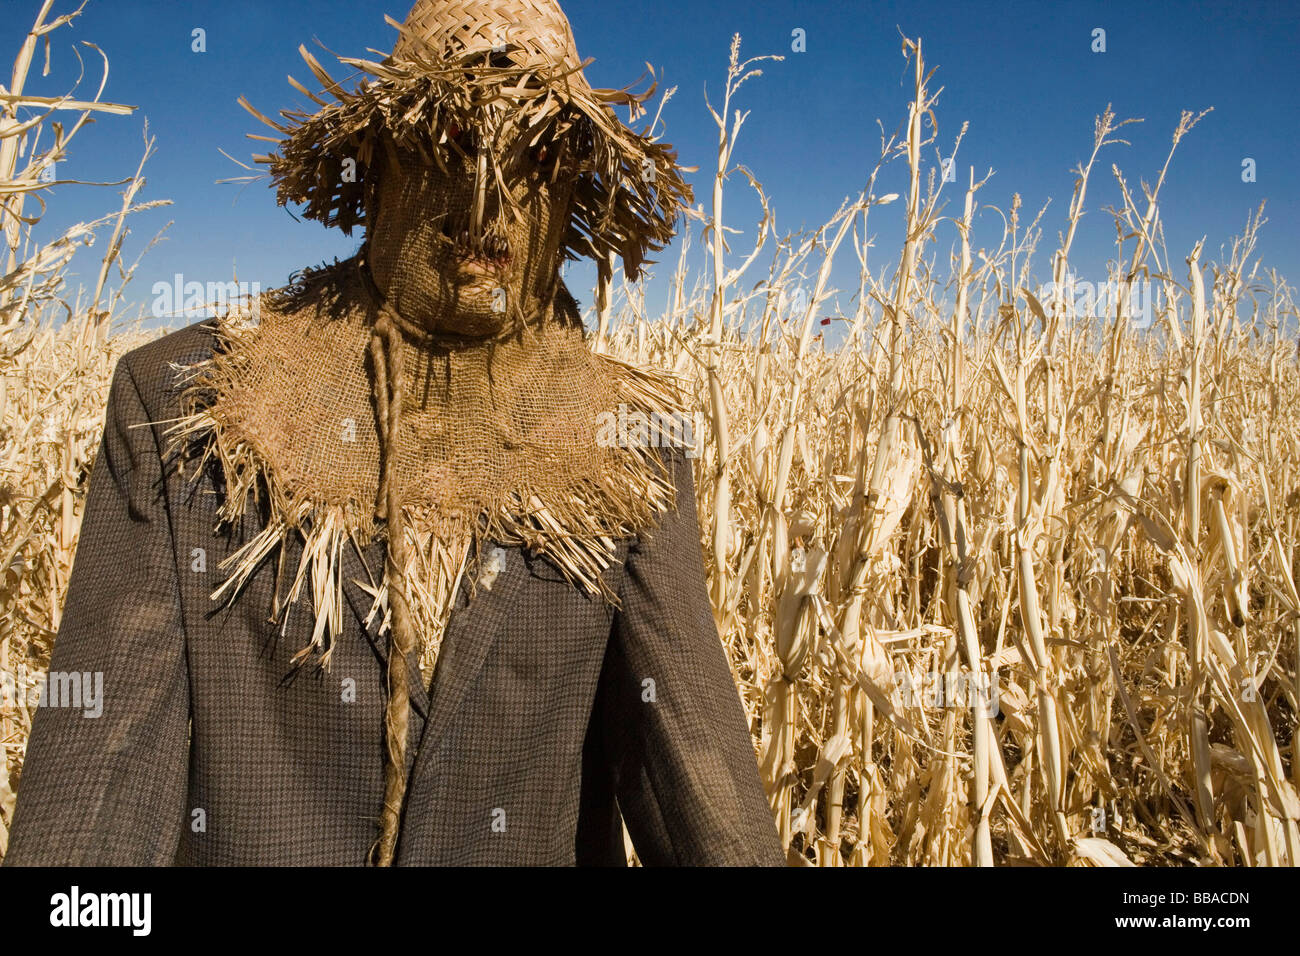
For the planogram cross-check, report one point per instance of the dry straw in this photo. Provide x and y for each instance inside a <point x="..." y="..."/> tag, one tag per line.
<point x="56" y="362"/>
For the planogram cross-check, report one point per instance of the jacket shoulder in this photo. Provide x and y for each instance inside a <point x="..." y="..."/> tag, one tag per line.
<point x="158" y="368"/>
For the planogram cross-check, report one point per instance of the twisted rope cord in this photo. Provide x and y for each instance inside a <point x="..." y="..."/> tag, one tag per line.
<point x="387" y="354"/>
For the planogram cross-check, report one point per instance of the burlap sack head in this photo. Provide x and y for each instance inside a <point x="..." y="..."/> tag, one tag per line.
<point x="455" y="261"/>
<point x="454" y="65"/>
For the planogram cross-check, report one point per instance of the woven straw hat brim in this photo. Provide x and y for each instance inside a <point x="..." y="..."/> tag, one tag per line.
<point x="628" y="190"/>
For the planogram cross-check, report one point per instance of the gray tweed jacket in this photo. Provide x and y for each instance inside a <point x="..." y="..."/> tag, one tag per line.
<point x="549" y="717"/>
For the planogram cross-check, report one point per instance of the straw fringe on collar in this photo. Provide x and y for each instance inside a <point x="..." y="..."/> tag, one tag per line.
<point x="568" y="511"/>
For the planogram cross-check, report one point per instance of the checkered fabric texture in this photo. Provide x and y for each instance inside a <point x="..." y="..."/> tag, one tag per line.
<point x="550" y="715"/>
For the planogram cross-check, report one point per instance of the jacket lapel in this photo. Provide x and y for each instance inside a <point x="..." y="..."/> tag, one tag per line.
<point x="473" y="627"/>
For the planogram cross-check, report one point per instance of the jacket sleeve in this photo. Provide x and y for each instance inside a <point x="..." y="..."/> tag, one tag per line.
<point x="677" y="743"/>
<point x="104" y="778"/>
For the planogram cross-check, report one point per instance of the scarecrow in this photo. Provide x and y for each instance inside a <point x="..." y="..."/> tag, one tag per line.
<point x="366" y="580"/>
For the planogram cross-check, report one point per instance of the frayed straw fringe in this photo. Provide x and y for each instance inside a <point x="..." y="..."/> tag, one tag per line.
<point x="579" y="533"/>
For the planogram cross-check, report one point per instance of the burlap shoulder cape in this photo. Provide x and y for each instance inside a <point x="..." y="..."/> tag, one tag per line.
<point x="518" y="442"/>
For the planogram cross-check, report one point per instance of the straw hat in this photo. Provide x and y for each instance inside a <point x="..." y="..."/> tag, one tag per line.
<point x="478" y="67"/>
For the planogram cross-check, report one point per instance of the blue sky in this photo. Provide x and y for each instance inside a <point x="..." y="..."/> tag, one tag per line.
<point x="1023" y="74"/>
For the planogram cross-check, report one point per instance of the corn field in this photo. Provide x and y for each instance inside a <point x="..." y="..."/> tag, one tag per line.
<point x="1001" y="582"/>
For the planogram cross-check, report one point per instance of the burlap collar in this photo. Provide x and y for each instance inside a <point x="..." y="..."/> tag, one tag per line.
<point x="499" y="442"/>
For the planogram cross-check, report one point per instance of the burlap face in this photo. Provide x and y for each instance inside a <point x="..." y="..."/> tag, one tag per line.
<point x="447" y="255"/>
